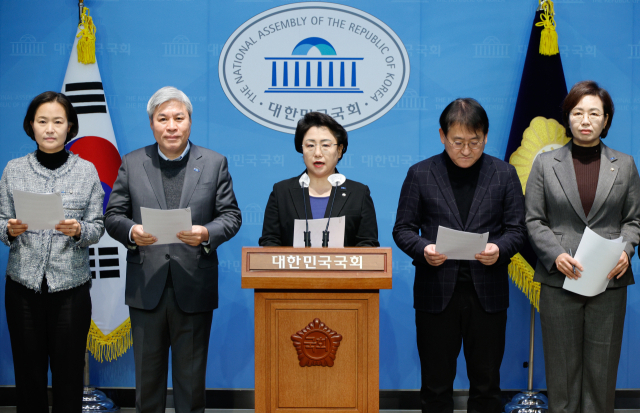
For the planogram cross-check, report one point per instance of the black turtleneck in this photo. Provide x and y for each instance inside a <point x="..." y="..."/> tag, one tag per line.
<point x="52" y="160"/>
<point x="463" y="183"/>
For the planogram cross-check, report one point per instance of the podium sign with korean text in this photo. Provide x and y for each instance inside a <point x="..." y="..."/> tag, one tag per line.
<point x="290" y="268"/>
<point x="317" y="262"/>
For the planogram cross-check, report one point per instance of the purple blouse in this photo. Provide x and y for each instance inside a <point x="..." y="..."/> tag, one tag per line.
<point x="318" y="206"/>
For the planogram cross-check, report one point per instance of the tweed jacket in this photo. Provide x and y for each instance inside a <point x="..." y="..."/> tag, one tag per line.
<point x="555" y="217"/>
<point x="427" y="201"/>
<point x="62" y="259"/>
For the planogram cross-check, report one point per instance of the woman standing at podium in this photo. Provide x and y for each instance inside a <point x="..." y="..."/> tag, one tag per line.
<point x="322" y="141"/>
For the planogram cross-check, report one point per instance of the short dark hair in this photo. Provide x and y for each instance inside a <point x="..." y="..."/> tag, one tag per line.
<point x="48" y="97"/>
<point x="466" y="112"/>
<point x="319" y="119"/>
<point x="577" y="92"/>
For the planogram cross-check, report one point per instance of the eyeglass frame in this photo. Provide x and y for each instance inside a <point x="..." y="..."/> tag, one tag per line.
<point x="467" y="144"/>
<point x="598" y="116"/>
<point x="323" y="150"/>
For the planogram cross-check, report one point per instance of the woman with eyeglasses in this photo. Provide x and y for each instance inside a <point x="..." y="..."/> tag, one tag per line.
<point x="322" y="141"/>
<point x="583" y="184"/>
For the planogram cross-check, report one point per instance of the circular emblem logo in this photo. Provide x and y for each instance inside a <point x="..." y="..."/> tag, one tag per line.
<point x="316" y="344"/>
<point x="304" y="57"/>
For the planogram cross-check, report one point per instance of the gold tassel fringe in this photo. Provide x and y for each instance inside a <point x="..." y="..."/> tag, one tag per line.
<point x="112" y="346"/>
<point x="521" y="273"/>
<point x="549" y="36"/>
<point x="87" y="42"/>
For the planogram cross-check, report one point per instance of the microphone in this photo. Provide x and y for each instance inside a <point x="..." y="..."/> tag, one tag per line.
<point x="335" y="180"/>
<point x="304" y="183"/>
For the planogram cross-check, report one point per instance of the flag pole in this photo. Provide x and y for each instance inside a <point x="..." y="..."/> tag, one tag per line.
<point x="531" y="337"/>
<point x="92" y="399"/>
<point x="542" y="89"/>
<point x="86" y="368"/>
<point x="529" y="401"/>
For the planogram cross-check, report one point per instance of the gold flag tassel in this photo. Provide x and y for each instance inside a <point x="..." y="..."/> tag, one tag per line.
<point x="549" y="36"/>
<point x="521" y="274"/>
<point x="87" y="42"/>
<point x="112" y="346"/>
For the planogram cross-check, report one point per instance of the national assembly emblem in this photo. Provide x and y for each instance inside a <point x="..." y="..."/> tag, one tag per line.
<point x="313" y="56"/>
<point x="316" y="344"/>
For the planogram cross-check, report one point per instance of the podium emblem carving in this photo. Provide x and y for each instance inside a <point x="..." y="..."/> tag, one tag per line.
<point x="316" y="344"/>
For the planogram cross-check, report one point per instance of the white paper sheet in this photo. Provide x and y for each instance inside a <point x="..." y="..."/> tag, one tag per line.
<point x="460" y="245"/>
<point x="316" y="226"/>
<point x="598" y="256"/>
<point x="164" y="224"/>
<point x="38" y="211"/>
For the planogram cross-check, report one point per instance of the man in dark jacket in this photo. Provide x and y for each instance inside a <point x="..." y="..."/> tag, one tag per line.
<point x="461" y="301"/>
<point x="172" y="289"/>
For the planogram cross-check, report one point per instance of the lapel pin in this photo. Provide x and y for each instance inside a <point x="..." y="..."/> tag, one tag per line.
<point x="342" y="187"/>
<point x="612" y="169"/>
<point x="343" y="194"/>
<point x="613" y="158"/>
<point x="196" y="169"/>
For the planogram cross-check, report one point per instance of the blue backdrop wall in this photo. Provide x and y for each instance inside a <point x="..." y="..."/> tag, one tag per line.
<point x="599" y="39"/>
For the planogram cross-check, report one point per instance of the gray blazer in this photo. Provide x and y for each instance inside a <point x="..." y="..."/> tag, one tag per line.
<point x="34" y="254"/>
<point x="208" y="191"/>
<point x="555" y="217"/>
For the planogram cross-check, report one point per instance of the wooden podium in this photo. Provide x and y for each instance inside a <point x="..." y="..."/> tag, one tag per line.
<point x="316" y="327"/>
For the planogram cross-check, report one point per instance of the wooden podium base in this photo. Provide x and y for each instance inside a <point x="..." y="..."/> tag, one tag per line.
<point x="349" y="318"/>
<point x="316" y="327"/>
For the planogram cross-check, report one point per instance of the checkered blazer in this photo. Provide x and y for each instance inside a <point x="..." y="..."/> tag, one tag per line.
<point x="427" y="201"/>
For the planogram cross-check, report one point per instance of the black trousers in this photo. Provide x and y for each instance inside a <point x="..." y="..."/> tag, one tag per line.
<point x="48" y="329"/>
<point x="440" y="337"/>
<point x="187" y="334"/>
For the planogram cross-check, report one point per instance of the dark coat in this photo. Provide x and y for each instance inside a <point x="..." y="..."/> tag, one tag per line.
<point x="208" y="191"/>
<point x="427" y="201"/>
<point x="285" y="205"/>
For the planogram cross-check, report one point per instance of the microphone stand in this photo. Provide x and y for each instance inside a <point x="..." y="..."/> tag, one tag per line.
<point x="307" y="233"/>
<point x="325" y="233"/>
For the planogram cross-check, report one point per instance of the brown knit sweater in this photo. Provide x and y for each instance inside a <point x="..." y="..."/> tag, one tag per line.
<point x="586" y="163"/>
